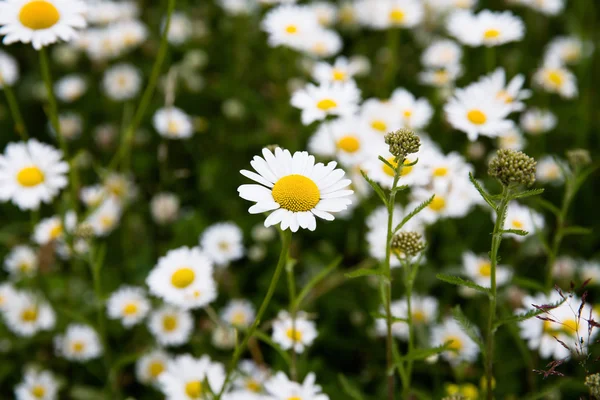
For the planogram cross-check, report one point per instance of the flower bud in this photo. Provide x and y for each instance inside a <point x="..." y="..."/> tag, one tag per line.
<point x="407" y="244"/>
<point x="513" y="167"/>
<point x="579" y="158"/>
<point x="403" y="142"/>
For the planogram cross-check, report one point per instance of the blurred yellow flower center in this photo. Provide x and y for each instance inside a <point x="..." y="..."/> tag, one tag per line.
<point x="405" y="169"/>
<point x="350" y="144"/>
<point x="570" y="325"/>
<point x="339" y="75"/>
<point x="29" y="315"/>
<point x="156" y="368"/>
<point x="30" y="176"/>
<point x="224" y="246"/>
<point x="238" y="318"/>
<point x="438" y="203"/>
<point x="39" y="14"/>
<point x="38" y="391"/>
<point x="326" y="104"/>
<point x="379" y="125"/>
<point x="173" y="127"/>
<point x="440" y="171"/>
<point x="253" y="386"/>
<point x="504" y="96"/>
<point x="291" y="29"/>
<point x="169" y="323"/>
<point x="24" y="267"/>
<point x="56" y="231"/>
<point x="397" y="15"/>
<point x="107" y="221"/>
<point x="455" y="343"/>
<point x="485" y="269"/>
<point x="295" y="398"/>
<point x="130" y="309"/>
<point x="78" y="346"/>
<point x="517" y="224"/>
<point x="183" y="277"/>
<point x="418" y="316"/>
<point x="491" y="34"/>
<point x="555" y="77"/>
<point x="407" y="113"/>
<point x="296" y="193"/>
<point x="476" y="117"/>
<point x="294" y="334"/>
<point x="193" y="389"/>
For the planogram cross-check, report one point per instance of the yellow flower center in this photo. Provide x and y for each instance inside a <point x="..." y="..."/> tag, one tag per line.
<point x="173" y="127"/>
<point x="491" y="34"/>
<point x="476" y="117"/>
<point x="56" y="231"/>
<point x="295" y="398"/>
<point x="296" y="193"/>
<point x="349" y="144"/>
<point x="78" y="346"/>
<point x="107" y="221"/>
<point x="485" y="269"/>
<point x="555" y="77"/>
<point x="193" y="389"/>
<point x="183" y="277"/>
<point x="441" y="76"/>
<point x="253" y="386"/>
<point x="29" y="315"/>
<point x="418" y="316"/>
<point x="30" y="176"/>
<point x="570" y="325"/>
<point x="294" y="334"/>
<point x="517" y="224"/>
<point x="438" y="203"/>
<point x="397" y="15"/>
<point x="291" y="29"/>
<point x="455" y="343"/>
<point x="339" y="75"/>
<point x="156" y="368"/>
<point x="440" y="171"/>
<point x="130" y="309"/>
<point x="379" y="125"/>
<point x="504" y="96"/>
<point x="39" y="14"/>
<point x="25" y="267"/>
<point x="223" y="246"/>
<point x="326" y="104"/>
<point x="407" y="113"/>
<point x="38" y="391"/>
<point x="320" y="48"/>
<point x="405" y="169"/>
<point x="169" y="323"/>
<point x="238" y="318"/>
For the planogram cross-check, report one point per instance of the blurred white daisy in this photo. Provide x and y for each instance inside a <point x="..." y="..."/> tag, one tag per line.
<point x="378" y="117"/>
<point x="297" y="334"/>
<point x="120" y="186"/>
<point x="31" y="173"/>
<point x="41" y="22"/>
<point x="386" y="14"/>
<point x="547" y="7"/>
<point x="566" y="50"/>
<point x="79" y="343"/>
<point x="37" y="385"/>
<point x="70" y="88"/>
<point x="223" y="243"/>
<point x="442" y="77"/>
<point x="478" y="268"/>
<point x="461" y="346"/>
<point x="106" y="217"/>
<point x="317" y="102"/>
<point x="290" y="25"/>
<point x="187" y="378"/>
<point x="52" y="229"/>
<point x="280" y="387"/>
<point x="164" y="207"/>
<point x="92" y="196"/>
<point x="296" y="188"/>
<point x="132" y="32"/>
<point x="548" y="171"/>
<point x="71" y="125"/>
<point x="414" y="113"/>
<point x="323" y="43"/>
<point x="251" y="377"/>
<point x="170" y="326"/>
<point x="173" y="123"/>
<point x="440" y="53"/>
<point x="450" y="202"/>
<point x="184" y="278"/>
<point x="7" y="295"/>
<point x="590" y="272"/>
<point x="536" y="121"/>
<point x="564" y="268"/>
<point x="150" y="366"/>
<point x="512" y="139"/>
<point x="128" y="304"/>
<point x="555" y="78"/>
<point x="122" y="82"/>
<point x="238" y="7"/>
<point x="342" y="70"/>
<point x="180" y="28"/>
<point x="9" y="70"/>
<point x="488" y="28"/>
<point x="325" y="12"/>
<point x="424" y="310"/>
<point x="522" y="218"/>
<point x="511" y="93"/>
<point x="28" y="314"/>
<point x="238" y="313"/>
<point x="21" y="261"/>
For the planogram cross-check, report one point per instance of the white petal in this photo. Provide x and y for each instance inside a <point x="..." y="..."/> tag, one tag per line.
<point x="255" y="193"/>
<point x="275" y="217"/>
<point x="322" y="214"/>
<point x="256" y="177"/>
<point x="262" y="207"/>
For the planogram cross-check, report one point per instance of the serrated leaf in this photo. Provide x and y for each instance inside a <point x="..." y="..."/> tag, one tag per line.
<point x="399" y="189"/>
<point x="365" y="272"/>
<point x="519" y="232"/>
<point x="375" y="187"/>
<point x="467" y="326"/>
<point x="386" y="162"/>
<point x="527" y="193"/>
<point x="576" y="230"/>
<point x="525" y="316"/>
<point x="485" y="195"/>
<point x="411" y="164"/>
<point x="455" y="280"/>
<point x="414" y="212"/>
<point x="315" y="280"/>
<point x="422" y="354"/>
<point x="349" y="388"/>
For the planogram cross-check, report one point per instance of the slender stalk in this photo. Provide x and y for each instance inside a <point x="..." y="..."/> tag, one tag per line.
<point x="393" y="42"/>
<point x="490" y="58"/>
<point x="496" y="240"/>
<point x="125" y="147"/>
<point x="286" y="240"/>
<point x="15" y="111"/>
<point x="292" y="291"/>
<point x="409" y="276"/>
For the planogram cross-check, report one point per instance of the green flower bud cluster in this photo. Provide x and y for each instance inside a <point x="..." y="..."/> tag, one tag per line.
<point x="402" y="142"/>
<point x="407" y="244"/>
<point x="513" y="167"/>
<point x="579" y="158"/>
<point x="593" y="383"/>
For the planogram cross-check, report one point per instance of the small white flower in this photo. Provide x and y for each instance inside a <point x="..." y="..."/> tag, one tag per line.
<point x="21" y="261"/>
<point x="7" y="295"/>
<point x="80" y="343"/>
<point x="297" y="334"/>
<point x="441" y="53"/>
<point x="37" y="385"/>
<point x="279" y="387"/>
<point x="164" y="207"/>
<point x="547" y="7"/>
<point x="238" y="313"/>
<point x="461" y="346"/>
<point x="223" y="243"/>
<point x="186" y="378"/>
<point x="511" y="93"/>
<point x="150" y="366"/>
<point x="590" y="272"/>
<point x="9" y="70"/>
<point x="548" y="171"/>
<point x="386" y="14"/>
<point x="522" y="218"/>
<point x="251" y="378"/>
<point x="170" y="326"/>
<point x="414" y="113"/>
<point x="128" y="304"/>
<point x="317" y="102"/>
<point x="70" y="88"/>
<point x="106" y="217"/>
<point x="512" y="139"/>
<point x="122" y="82"/>
<point x="173" y="123"/>
<point x="342" y="70"/>
<point x="479" y="269"/>
<point x="488" y="28"/>
<point x="290" y="25"/>
<point x="424" y="310"/>
<point x="535" y="121"/>
<point x="180" y="28"/>
<point x="27" y="314"/>
<point x="556" y="78"/>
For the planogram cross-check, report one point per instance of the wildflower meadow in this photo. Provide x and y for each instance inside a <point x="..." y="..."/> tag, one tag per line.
<point x="299" y="200"/>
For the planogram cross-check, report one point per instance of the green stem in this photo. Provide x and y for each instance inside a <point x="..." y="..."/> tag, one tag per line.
<point x="286" y="240"/>
<point x="15" y="111"/>
<point x="496" y="240"/>
<point x="292" y="290"/>
<point x="490" y="59"/>
<point x="125" y="147"/>
<point x="409" y="275"/>
<point x="393" y="41"/>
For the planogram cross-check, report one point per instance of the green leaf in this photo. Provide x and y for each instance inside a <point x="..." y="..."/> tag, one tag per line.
<point x="411" y="164"/>
<point x="485" y="195"/>
<point x="576" y="230"/>
<point x="527" y="283"/>
<point x="315" y="280"/>
<point x="548" y="206"/>
<point x="414" y="212"/>
<point x="350" y="389"/>
<point x="467" y="326"/>
<point x="422" y="354"/>
<point x="365" y="272"/>
<point x="527" y="193"/>
<point x="267" y="340"/>
<point x="519" y="232"/>
<point x="399" y="189"/>
<point x="375" y="187"/>
<point x="386" y="162"/>
<point x="455" y="280"/>
<point x="524" y="316"/>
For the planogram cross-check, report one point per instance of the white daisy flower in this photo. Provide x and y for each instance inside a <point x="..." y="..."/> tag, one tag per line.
<point x="41" y="22"/>
<point x="296" y="188"/>
<point x="37" y="385"/>
<point x="424" y="310"/>
<point x="555" y="78"/>
<point x="379" y="117"/>
<point x="238" y="313"/>
<point x="223" y="243"/>
<point x="590" y="271"/>
<point x="132" y="32"/>
<point x="120" y="186"/>
<point x="129" y="305"/>
<point x="522" y="218"/>
<point x="71" y="125"/>
<point x="548" y="171"/>
<point x="566" y="50"/>
<point x="21" y="261"/>
<point x="150" y="366"/>
<point x="442" y="77"/>
<point x="479" y="270"/>
<point x="343" y="140"/>
<point x="445" y="169"/>
<point x="184" y="278"/>
<point x="7" y="295"/>
<point x="299" y="333"/>
<point x="547" y="7"/>
<point x="290" y="25"/>
<point x="535" y="121"/>
<point x="164" y="208"/>
<point x="186" y="378"/>
<point x="322" y="43"/>
<point x="326" y="13"/>
<point x="451" y="202"/>
<point x="9" y="70"/>
<point x="173" y="123"/>
<point x="28" y="314"/>
<point x="70" y="88"/>
<point x="440" y="53"/>
<point x="386" y="14"/>
<point x="106" y="217"/>
<point x="414" y="113"/>
<point x="317" y="102"/>
<point x="52" y="229"/>
<point x="488" y="28"/>
<point x="92" y="196"/>
<point x="473" y="111"/>
<point x="31" y="173"/>
<point x="342" y="70"/>
<point x="238" y="7"/>
<point x="461" y="346"/>
<point x="564" y="268"/>
<point x="122" y="82"/>
<point x="80" y="343"/>
<point x="512" y="139"/>
<point x="170" y="326"/>
<point x="180" y="28"/>
<point x="384" y="175"/>
<point x="279" y="387"/>
<point x="511" y="93"/>
<point x="251" y="378"/>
